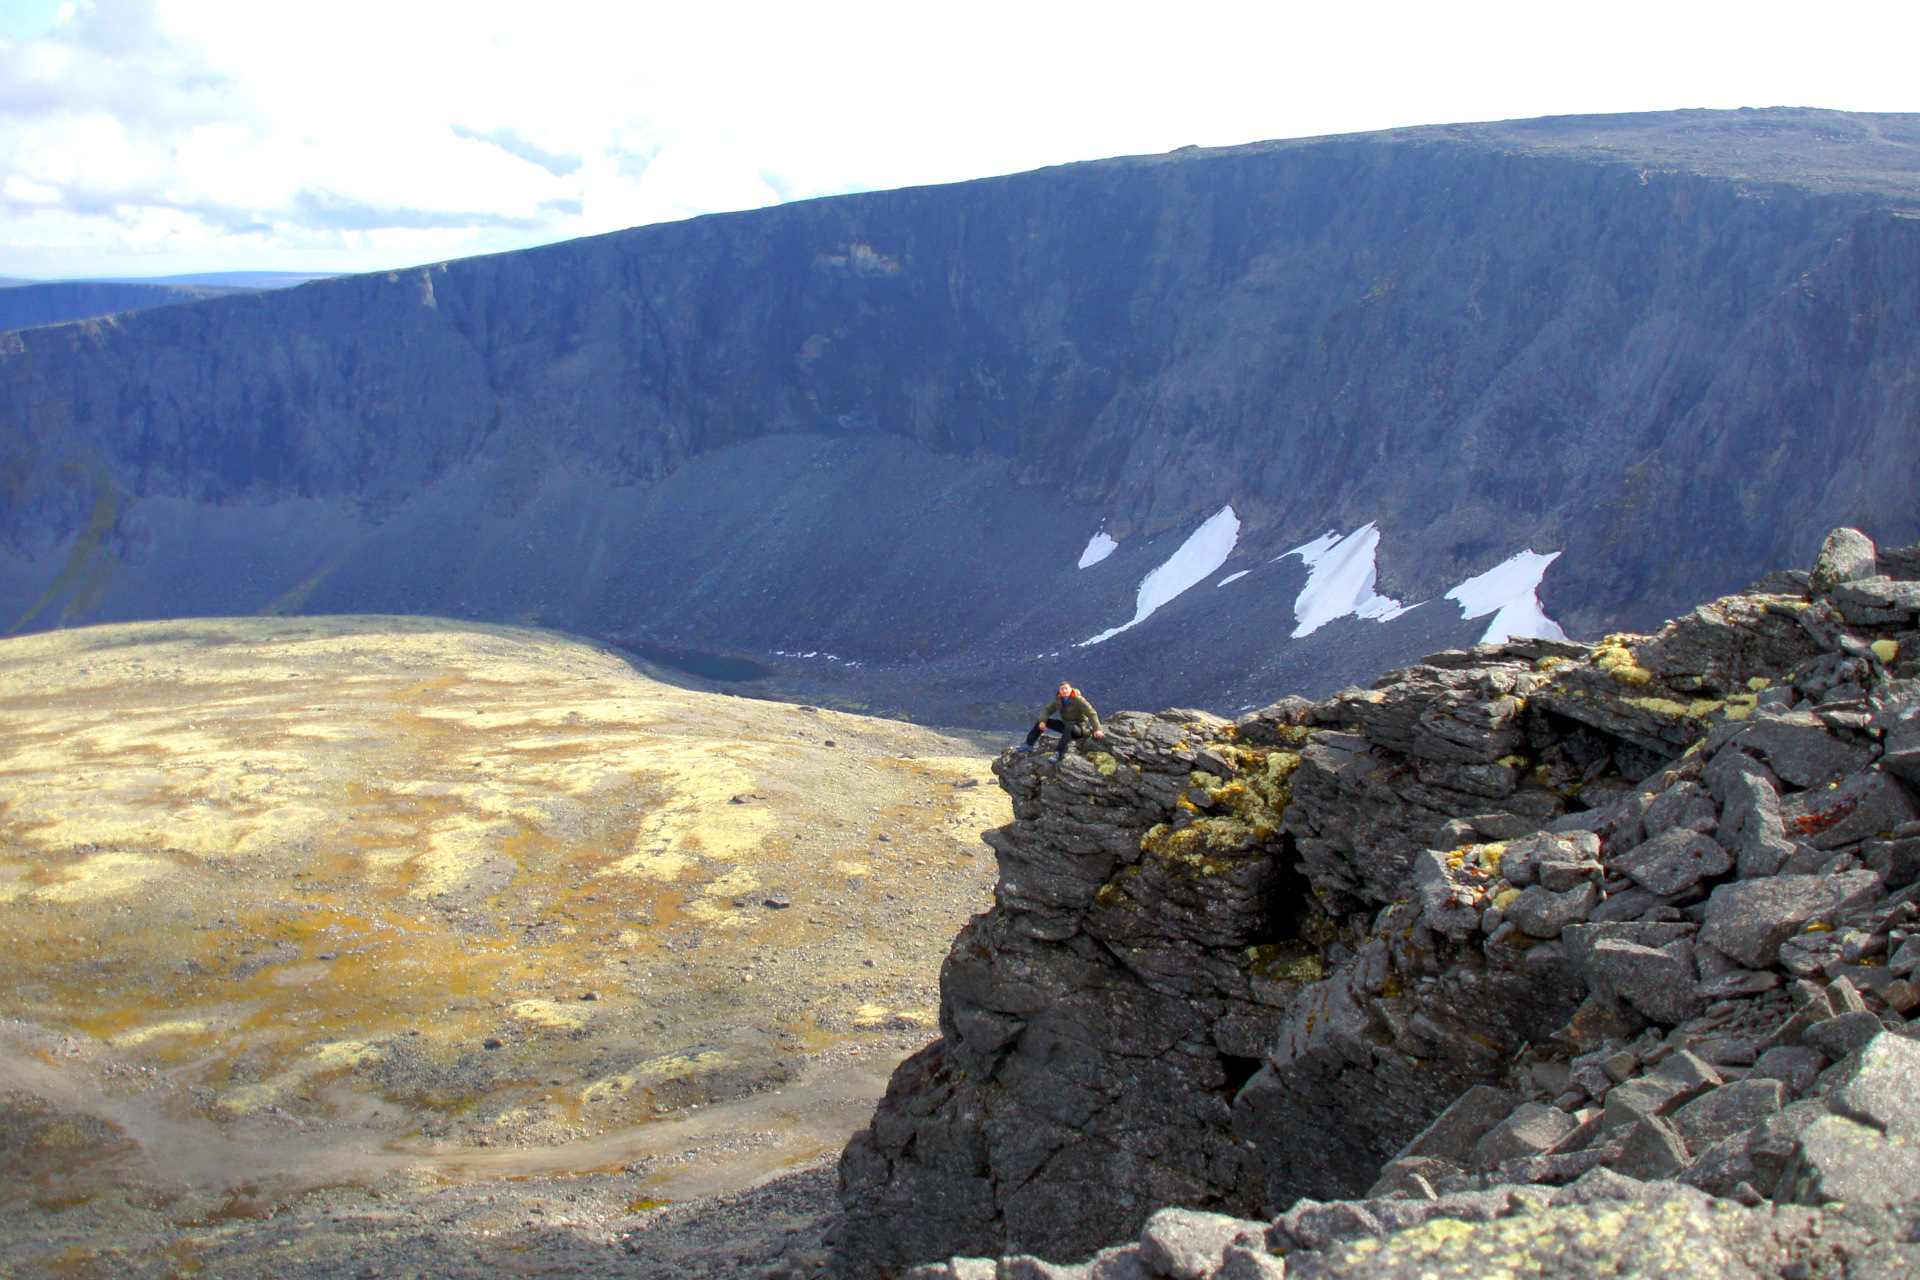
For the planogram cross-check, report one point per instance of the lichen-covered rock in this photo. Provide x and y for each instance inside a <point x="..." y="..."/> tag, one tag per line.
<point x="1514" y="917"/>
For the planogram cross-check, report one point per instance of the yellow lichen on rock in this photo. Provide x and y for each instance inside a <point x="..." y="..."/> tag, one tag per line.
<point x="1614" y="657"/>
<point x="1886" y="651"/>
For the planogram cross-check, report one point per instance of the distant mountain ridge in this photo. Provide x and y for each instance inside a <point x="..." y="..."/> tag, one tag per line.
<point x="886" y="427"/>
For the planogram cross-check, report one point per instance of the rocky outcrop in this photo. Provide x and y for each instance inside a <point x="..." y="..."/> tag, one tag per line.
<point x="884" y="426"/>
<point x="1516" y="931"/>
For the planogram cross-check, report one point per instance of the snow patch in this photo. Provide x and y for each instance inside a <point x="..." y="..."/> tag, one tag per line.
<point x="1340" y="580"/>
<point x="1233" y="577"/>
<point x="1509" y="591"/>
<point x="1205" y="550"/>
<point x="1099" y="547"/>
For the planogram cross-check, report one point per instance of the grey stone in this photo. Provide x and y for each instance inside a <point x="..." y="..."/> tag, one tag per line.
<point x="1800" y="749"/>
<point x="1448" y="904"/>
<point x="1558" y="862"/>
<point x="1881" y="1087"/>
<point x="1397" y="1175"/>
<point x="1843" y="997"/>
<point x="1238" y="1262"/>
<point x="1862" y="806"/>
<point x="1311" y="1224"/>
<point x="1794" y="1066"/>
<point x="1683" y="805"/>
<point x="1750" y="823"/>
<point x="1658" y="981"/>
<point x="1626" y="905"/>
<point x="1119" y="1263"/>
<point x="1654" y="1149"/>
<point x="1718" y="1168"/>
<point x="1674" y="861"/>
<point x="1749" y="919"/>
<point x="1186" y="1244"/>
<point x="1732" y="1108"/>
<point x="1540" y="913"/>
<point x="1680" y="1078"/>
<point x="1837" y="1159"/>
<point x="1898" y="861"/>
<point x="1533" y="1129"/>
<point x="1732" y="983"/>
<point x="1027" y="1267"/>
<point x="1454" y="1132"/>
<point x="1839" y="1036"/>
<point x="1847" y="555"/>
<point x="1879" y="592"/>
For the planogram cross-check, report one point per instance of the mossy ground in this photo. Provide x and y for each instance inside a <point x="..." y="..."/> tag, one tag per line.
<point x="339" y="897"/>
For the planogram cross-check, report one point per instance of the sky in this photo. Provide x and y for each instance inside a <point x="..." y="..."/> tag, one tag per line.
<point x="163" y="137"/>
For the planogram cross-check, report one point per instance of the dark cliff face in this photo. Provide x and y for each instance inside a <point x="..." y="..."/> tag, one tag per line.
<point x="883" y="426"/>
<point x="24" y="306"/>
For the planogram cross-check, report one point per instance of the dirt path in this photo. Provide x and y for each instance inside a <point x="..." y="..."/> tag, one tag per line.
<point x="295" y="908"/>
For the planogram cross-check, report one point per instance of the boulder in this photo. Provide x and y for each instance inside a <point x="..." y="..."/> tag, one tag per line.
<point x="1449" y="899"/>
<point x="1881" y="1087"/>
<point x="1749" y="919"/>
<point x="1837" y="1159"/>
<point x="1801" y="750"/>
<point x="1674" y="861"/>
<point x="1654" y="1149"/>
<point x="1555" y="861"/>
<point x="1839" y="1036"/>
<point x="1846" y="556"/>
<point x="1240" y="1262"/>
<point x="1859" y="807"/>
<point x="1732" y="1108"/>
<point x="1794" y="1066"/>
<point x="1540" y="913"/>
<point x="1455" y="1131"/>
<point x="1681" y="1077"/>
<point x="1533" y="1129"/>
<point x="1684" y="804"/>
<point x="1658" y="981"/>
<point x="1750" y="824"/>
<point x="1186" y="1244"/>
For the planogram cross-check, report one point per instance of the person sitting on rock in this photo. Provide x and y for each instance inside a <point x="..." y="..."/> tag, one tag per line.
<point x="1070" y="715"/>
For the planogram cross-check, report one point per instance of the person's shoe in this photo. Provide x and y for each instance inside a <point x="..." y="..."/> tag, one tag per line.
<point x="1024" y="750"/>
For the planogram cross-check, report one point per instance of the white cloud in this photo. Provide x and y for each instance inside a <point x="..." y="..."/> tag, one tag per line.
<point x="204" y="134"/>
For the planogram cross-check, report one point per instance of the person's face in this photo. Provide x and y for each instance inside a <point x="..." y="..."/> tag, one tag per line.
<point x="1064" y="689"/>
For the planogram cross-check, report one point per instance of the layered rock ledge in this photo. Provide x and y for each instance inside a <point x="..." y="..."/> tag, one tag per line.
<point x="1541" y="929"/>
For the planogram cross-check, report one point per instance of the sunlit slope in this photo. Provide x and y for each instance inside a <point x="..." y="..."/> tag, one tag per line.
<point x="479" y="883"/>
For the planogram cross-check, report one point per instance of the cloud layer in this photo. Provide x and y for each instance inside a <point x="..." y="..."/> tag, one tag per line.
<point x="163" y="136"/>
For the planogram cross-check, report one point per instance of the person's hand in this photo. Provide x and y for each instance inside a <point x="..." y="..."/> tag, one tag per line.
<point x="1099" y="733"/>
<point x="1039" y="724"/>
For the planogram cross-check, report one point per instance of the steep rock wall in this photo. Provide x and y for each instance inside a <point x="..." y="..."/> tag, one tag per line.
<point x="1555" y="335"/>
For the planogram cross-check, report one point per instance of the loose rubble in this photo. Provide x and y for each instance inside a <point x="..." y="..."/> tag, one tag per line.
<point x="1596" y="959"/>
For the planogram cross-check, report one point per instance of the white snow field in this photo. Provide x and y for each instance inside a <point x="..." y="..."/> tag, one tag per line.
<point x="1233" y="577"/>
<point x="1508" y="591"/>
<point x="1099" y="547"/>
<point x="1340" y="578"/>
<point x="1205" y="550"/>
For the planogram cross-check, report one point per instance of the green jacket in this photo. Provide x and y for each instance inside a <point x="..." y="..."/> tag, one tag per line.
<point x="1076" y="711"/>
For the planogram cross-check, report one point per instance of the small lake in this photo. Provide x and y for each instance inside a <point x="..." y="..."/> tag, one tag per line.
<point x="708" y="666"/>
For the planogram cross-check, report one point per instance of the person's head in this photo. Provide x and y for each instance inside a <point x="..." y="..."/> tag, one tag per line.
<point x="1066" y="689"/>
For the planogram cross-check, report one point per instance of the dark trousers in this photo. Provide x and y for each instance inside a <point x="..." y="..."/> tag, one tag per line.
<point x="1066" y="731"/>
